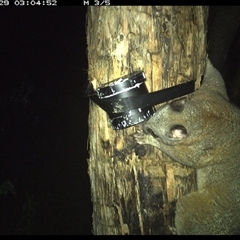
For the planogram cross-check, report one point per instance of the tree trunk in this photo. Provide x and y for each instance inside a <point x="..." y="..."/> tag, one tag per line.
<point x="133" y="195"/>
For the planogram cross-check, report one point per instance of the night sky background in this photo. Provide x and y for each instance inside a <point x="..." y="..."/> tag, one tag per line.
<point x="44" y="120"/>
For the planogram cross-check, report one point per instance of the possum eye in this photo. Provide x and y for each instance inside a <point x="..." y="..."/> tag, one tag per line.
<point x="178" y="105"/>
<point x="178" y="132"/>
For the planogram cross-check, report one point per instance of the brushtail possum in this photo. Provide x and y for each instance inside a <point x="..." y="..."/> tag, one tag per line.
<point x="202" y="132"/>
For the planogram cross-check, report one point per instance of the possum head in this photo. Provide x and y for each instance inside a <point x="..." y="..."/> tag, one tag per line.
<point x="196" y="131"/>
<point x="173" y="132"/>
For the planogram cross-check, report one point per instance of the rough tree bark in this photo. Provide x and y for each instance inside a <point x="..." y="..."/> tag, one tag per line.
<point x="132" y="195"/>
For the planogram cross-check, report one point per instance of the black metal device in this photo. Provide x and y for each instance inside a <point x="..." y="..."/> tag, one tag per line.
<point x="122" y="113"/>
<point x="127" y="101"/>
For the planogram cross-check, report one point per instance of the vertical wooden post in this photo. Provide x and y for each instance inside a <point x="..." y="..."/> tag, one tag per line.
<point x="132" y="195"/>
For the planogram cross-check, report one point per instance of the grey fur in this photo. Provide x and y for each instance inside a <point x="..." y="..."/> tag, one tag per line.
<point x="203" y="132"/>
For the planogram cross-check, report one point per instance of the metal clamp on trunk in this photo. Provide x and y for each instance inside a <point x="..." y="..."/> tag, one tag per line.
<point x="127" y="101"/>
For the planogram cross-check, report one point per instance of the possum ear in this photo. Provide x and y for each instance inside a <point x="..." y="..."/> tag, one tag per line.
<point x="178" y="105"/>
<point x="178" y="132"/>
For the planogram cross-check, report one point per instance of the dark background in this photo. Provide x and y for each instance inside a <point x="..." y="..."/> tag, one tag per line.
<point x="43" y="120"/>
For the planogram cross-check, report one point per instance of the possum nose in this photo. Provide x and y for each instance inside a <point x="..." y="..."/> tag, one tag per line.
<point x="148" y="130"/>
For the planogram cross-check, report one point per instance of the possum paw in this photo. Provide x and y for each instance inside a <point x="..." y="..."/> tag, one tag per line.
<point x="140" y="150"/>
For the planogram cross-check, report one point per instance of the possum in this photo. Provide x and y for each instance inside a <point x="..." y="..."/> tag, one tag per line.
<point x="202" y="132"/>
